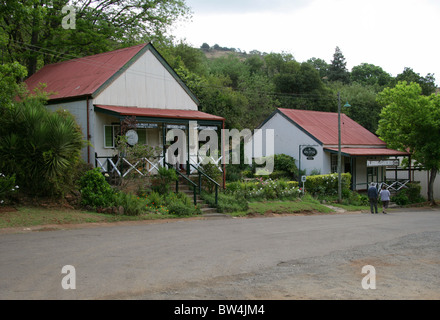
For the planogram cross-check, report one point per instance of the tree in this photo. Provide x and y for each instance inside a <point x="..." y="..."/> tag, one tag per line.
<point x="299" y="86"/>
<point x="370" y="74"/>
<point x="319" y="65"/>
<point x="183" y="55"/>
<point x="36" y="37"/>
<point x="411" y="121"/>
<point x="205" y="46"/>
<point x="365" y="109"/>
<point x="338" y="68"/>
<point x="258" y="89"/>
<point x="426" y="83"/>
<point x="10" y="75"/>
<point x="230" y="66"/>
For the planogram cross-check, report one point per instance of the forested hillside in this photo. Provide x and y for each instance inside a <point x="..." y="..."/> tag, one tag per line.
<point x="247" y="87"/>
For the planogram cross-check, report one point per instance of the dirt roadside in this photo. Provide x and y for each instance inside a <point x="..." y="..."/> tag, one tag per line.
<point x="405" y="269"/>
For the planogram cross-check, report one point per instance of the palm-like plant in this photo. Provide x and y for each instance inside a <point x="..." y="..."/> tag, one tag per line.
<point x="39" y="146"/>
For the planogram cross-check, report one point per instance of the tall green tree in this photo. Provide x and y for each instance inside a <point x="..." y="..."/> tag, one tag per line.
<point x="10" y="85"/>
<point x="365" y="110"/>
<point x="369" y="74"/>
<point x="411" y="121"/>
<point x="337" y="70"/>
<point x="321" y="66"/>
<point x="426" y="83"/>
<point x="36" y="35"/>
<point x="258" y="90"/>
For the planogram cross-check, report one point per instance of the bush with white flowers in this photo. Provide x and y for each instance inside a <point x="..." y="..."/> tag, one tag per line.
<point x="7" y="187"/>
<point x="260" y="189"/>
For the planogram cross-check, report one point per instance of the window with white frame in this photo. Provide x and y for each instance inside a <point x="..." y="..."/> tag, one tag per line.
<point x="110" y="134"/>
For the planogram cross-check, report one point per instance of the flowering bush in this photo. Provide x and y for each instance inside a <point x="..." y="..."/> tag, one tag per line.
<point x="7" y="187"/>
<point x="264" y="189"/>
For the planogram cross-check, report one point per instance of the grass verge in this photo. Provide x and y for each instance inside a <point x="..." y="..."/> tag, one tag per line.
<point x="283" y="207"/>
<point x="30" y="216"/>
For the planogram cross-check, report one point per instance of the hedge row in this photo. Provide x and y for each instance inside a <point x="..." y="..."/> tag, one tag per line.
<point x="327" y="184"/>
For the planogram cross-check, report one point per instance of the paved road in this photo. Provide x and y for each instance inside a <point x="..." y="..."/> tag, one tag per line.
<point x="289" y="257"/>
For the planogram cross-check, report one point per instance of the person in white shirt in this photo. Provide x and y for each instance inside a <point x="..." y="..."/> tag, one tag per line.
<point x="384" y="195"/>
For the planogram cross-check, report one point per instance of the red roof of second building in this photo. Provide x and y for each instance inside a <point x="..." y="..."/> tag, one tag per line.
<point x="82" y="76"/>
<point x="324" y="127"/>
<point x="369" y="152"/>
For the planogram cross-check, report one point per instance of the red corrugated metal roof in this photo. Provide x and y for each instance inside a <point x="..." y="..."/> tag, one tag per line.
<point x="82" y="76"/>
<point x="369" y="151"/>
<point x="160" y="113"/>
<point x="324" y="127"/>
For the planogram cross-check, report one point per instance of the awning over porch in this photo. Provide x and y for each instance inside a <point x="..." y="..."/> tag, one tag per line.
<point x="368" y="152"/>
<point x="159" y="115"/>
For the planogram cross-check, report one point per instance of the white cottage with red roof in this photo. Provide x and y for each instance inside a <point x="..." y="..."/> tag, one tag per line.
<point x="312" y="138"/>
<point x="103" y="89"/>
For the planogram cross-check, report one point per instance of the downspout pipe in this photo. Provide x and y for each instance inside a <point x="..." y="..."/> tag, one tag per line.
<point x="88" y="130"/>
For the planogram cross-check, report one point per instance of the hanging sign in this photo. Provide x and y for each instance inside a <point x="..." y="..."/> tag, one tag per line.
<point x="208" y="128"/>
<point x="176" y="126"/>
<point x="383" y="163"/>
<point x="310" y="152"/>
<point x="147" y="125"/>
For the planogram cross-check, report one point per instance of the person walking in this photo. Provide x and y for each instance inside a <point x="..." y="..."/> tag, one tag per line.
<point x="372" y="196"/>
<point x="385" y="198"/>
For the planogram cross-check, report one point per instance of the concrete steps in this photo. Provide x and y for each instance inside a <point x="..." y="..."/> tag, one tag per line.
<point x="207" y="211"/>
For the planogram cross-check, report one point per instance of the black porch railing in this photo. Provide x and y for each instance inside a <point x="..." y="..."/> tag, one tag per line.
<point x="121" y="167"/>
<point x="201" y="173"/>
<point x="187" y="179"/>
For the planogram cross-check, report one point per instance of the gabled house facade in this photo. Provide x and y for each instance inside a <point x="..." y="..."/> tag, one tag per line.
<point x="312" y="138"/>
<point x="103" y="89"/>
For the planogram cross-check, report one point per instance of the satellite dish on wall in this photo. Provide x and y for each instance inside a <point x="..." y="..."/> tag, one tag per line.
<point x="132" y="137"/>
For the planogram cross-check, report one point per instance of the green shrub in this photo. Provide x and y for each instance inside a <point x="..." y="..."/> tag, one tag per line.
<point x="40" y="147"/>
<point x="7" y="187"/>
<point x="246" y="174"/>
<point x="413" y="193"/>
<point x="400" y="199"/>
<point x="355" y="199"/>
<point x="283" y="162"/>
<point x="133" y="205"/>
<point x="226" y="202"/>
<point x="95" y="190"/>
<point x="162" y="181"/>
<point x="212" y="171"/>
<point x="327" y="185"/>
<point x="155" y="199"/>
<point x="180" y="209"/>
<point x="409" y="195"/>
<point x="181" y="205"/>
<point x="235" y="173"/>
<point x="280" y="175"/>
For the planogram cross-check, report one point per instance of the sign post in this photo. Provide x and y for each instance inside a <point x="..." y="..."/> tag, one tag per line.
<point x="303" y="180"/>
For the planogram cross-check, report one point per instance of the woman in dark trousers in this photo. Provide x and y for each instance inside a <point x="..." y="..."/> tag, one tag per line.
<point x="385" y="198"/>
<point x="372" y="196"/>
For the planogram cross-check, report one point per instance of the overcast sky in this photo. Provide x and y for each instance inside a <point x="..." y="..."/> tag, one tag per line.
<point x="392" y="34"/>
